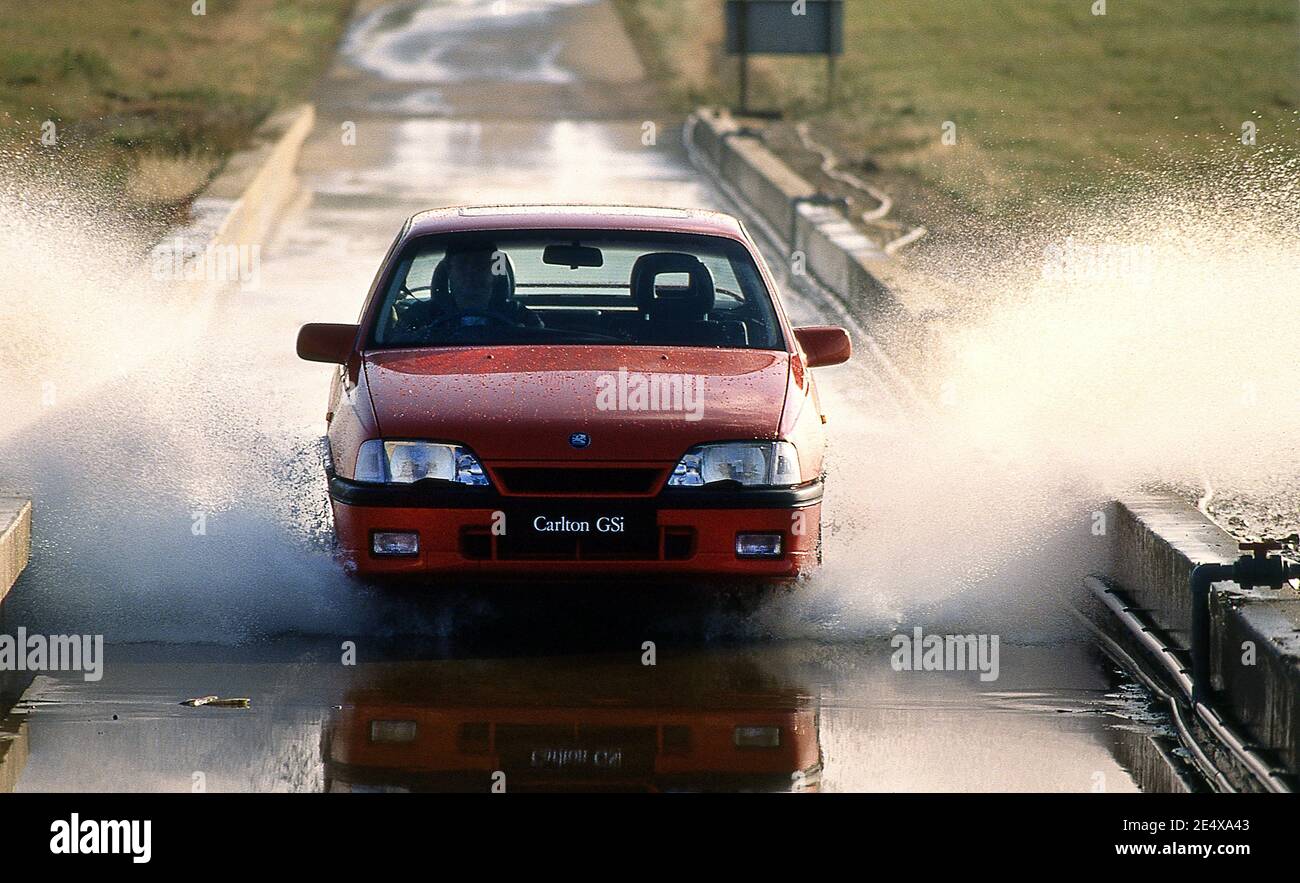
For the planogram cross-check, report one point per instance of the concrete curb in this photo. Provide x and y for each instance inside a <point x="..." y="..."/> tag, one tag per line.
<point x="15" y="541"/>
<point x="834" y="252"/>
<point x="14" y="750"/>
<point x="1157" y="540"/>
<point x="783" y="200"/>
<point x="256" y="184"/>
<point x="240" y="206"/>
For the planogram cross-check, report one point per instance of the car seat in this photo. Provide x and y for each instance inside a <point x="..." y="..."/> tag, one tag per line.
<point x="679" y="314"/>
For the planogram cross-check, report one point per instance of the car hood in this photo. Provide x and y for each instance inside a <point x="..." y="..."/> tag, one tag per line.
<point x="525" y="403"/>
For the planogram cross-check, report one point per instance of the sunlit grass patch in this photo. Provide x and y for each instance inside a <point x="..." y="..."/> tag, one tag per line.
<point x="1048" y="100"/>
<point x="143" y="96"/>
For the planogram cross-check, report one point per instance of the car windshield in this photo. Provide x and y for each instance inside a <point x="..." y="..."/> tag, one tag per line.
<point x="575" y="286"/>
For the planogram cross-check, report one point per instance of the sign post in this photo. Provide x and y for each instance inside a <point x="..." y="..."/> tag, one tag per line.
<point x="785" y="27"/>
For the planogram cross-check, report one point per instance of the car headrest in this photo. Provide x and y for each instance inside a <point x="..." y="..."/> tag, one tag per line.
<point x="503" y="285"/>
<point x="693" y="301"/>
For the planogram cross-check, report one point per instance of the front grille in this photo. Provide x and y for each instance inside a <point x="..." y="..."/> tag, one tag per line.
<point x="590" y="480"/>
<point x="476" y="543"/>
<point x="641" y="548"/>
<point x="679" y="543"/>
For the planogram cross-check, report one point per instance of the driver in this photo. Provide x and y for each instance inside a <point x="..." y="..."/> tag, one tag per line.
<point x="473" y="278"/>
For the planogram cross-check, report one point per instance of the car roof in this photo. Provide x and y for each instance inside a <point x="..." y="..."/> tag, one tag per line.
<point x="573" y="217"/>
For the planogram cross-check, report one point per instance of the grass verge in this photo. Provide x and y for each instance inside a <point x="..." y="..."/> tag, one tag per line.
<point x="144" y="98"/>
<point x="1047" y="101"/>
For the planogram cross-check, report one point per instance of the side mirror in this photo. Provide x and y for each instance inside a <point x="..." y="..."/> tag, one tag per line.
<point x="824" y="344"/>
<point x="324" y="342"/>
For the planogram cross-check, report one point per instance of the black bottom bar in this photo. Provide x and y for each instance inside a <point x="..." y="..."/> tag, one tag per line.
<point x="607" y="834"/>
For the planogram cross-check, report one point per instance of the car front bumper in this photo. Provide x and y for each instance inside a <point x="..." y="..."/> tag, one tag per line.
<point x="681" y="532"/>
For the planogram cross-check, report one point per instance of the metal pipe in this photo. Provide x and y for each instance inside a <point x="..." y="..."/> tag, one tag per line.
<point x="1271" y="779"/>
<point x="1153" y="648"/>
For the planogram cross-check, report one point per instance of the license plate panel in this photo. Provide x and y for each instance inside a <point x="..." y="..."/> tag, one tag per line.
<point x="580" y="529"/>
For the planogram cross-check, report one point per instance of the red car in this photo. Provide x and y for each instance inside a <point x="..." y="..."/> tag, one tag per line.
<point x="575" y="390"/>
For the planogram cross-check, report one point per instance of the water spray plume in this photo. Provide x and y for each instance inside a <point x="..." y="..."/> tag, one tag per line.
<point x="1149" y="345"/>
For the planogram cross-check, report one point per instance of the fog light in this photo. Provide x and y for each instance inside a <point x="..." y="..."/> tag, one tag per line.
<point x="758" y="545"/>
<point x="757" y="737"/>
<point x="392" y="731"/>
<point x="395" y="543"/>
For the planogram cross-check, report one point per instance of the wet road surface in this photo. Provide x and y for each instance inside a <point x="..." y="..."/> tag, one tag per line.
<point x="546" y="102"/>
<point x="818" y="717"/>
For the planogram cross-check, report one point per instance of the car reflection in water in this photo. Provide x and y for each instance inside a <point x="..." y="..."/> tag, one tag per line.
<point x="703" y="722"/>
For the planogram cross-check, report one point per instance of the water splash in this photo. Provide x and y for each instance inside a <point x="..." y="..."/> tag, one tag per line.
<point x="1150" y="343"/>
<point x="76" y="300"/>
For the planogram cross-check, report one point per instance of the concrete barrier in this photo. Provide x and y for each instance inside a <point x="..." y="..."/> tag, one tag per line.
<point x="1157" y="543"/>
<point x="243" y="202"/>
<point x="837" y="254"/>
<point x="1263" y="696"/>
<point x="708" y="131"/>
<point x="771" y="187"/>
<point x="895" y="305"/>
<point x="1254" y="634"/>
<point x="15" y="541"/>
<point x="231" y="219"/>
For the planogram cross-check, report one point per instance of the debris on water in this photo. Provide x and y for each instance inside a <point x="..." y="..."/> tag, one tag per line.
<point x="216" y="702"/>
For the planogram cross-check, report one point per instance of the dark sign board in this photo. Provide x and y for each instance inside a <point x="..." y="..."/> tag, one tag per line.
<point x="785" y="27"/>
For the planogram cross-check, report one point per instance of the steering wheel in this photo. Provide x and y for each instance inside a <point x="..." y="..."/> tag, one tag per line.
<point x="408" y="302"/>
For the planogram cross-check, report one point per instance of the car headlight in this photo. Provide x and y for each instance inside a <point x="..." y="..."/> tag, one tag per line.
<point x="406" y="462"/>
<point x="753" y="464"/>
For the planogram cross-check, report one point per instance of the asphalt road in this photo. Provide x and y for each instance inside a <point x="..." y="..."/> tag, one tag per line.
<point x="183" y="516"/>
